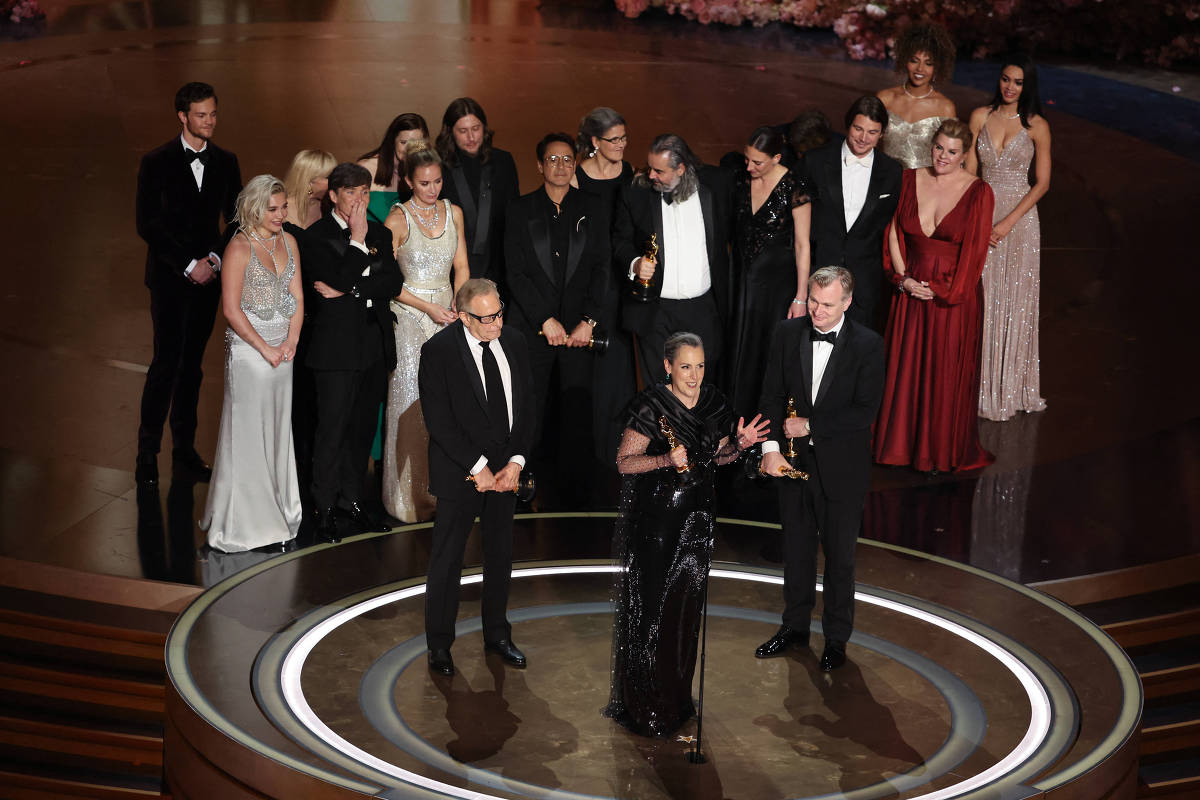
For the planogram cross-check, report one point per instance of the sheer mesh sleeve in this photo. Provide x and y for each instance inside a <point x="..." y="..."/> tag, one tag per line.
<point x="631" y="455"/>
<point x="728" y="451"/>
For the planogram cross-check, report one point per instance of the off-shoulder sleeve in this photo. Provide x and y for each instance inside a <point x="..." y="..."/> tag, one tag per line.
<point x="960" y="286"/>
<point x="799" y="194"/>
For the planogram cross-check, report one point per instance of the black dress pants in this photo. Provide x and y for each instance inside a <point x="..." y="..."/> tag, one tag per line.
<point x="183" y="317"/>
<point x="808" y="515"/>
<point x="451" y="527"/>
<point x="347" y="414"/>
<point x="696" y="315"/>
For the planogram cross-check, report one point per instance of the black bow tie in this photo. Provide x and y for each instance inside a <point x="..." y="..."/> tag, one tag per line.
<point x="830" y="337"/>
<point x="668" y="197"/>
<point x="202" y="156"/>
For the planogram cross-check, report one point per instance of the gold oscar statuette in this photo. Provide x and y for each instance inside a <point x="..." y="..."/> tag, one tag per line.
<point x="791" y="413"/>
<point x="651" y="254"/>
<point x="669" y="432"/>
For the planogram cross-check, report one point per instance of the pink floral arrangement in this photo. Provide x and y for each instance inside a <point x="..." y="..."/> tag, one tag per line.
<point x="1160" y="32"/>
<point x="19" y="11"/>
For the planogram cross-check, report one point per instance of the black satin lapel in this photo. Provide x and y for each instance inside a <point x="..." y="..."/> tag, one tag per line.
<point x="839" y="347"/>
<point x="872" y="198"/>
<point x="833" y="178"/>
<point x="515" y="385"/>
<point x="806" y="368"/>
<point x="539" y="234"/>
<point x="465" y="200"/>
<point x="656" y="212"/>
<point x="706" y="209"/>
<point x="472" y="370"/>
<point x="483" y="223"/>
<point x="575" y="246"/>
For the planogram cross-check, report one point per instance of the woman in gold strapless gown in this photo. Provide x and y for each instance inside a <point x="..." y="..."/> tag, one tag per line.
<point x="924" y="56"/>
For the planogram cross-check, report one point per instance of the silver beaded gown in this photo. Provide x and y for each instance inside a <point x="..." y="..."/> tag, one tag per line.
<point x="910" y="142"/>
<point x="254" y="496"/>
<point x="1009" y="379"/>
<point x="427" y="264"/>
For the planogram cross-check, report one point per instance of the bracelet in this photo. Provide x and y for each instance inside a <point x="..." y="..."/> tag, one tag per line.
<point x="797" y="301"/>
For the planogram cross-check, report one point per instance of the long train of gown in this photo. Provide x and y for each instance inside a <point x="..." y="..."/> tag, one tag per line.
<point x="1009" y="380"/>
<point x="426" y="263"/>
<point x="663" y="538"/>
<point x="254" y="495"/>
<point x="931" y="391"/>
<point x="910" y="143"/>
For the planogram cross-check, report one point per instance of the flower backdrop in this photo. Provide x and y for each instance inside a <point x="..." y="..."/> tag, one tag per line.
<point x="1159" y="32"/>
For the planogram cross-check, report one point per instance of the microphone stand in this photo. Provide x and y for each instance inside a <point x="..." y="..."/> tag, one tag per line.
<point x="695" y="756"/>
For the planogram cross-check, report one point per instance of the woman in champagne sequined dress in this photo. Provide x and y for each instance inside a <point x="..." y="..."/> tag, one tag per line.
<point x="664" y="537"/>
<point x="1011" y="135"/>
<point x="427" y="234"/>
<point x="924" y="56"/>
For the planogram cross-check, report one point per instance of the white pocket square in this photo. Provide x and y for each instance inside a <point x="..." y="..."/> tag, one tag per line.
<point x="882" y="196"/>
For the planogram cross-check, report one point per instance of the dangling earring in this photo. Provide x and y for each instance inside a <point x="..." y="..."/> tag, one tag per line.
<point x="310" y="191"/>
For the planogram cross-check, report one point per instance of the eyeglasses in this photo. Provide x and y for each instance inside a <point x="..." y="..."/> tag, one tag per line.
<point x="622" y="139"/>
<point x="566" y="161"/>
<point x="488" y="319"/>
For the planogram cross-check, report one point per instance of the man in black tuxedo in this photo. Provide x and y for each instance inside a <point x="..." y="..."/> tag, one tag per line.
<point x="686" y="206"/>
<point x="477" y="396"/>
<point x="184" y="188"/>
<point x="832" y="367"/>
<point x="557" y="261"/>
<point x="855" y="188"/>
<point x="351" y="346"/>
<point x="479" y="179"/>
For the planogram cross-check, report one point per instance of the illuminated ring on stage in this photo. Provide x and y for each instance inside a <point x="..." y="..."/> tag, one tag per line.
<point x="293" y="663"/>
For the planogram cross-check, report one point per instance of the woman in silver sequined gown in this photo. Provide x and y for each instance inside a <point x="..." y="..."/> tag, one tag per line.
<point x="916" y="109"/>
<point x="1012" y="136"/>
<point x="427" y="234"/>
<point x="254" y="497"/>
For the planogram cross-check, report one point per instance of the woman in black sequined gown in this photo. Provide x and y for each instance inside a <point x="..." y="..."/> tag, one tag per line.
<point x="771" y="261"/>
<point x="664" y="538"/>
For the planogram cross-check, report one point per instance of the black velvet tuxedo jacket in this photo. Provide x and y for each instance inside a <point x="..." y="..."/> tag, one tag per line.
<point x="859" y="249"/>
<point x="536" y="292"/>
<point x="638" y="215"/>
<point x="847" y="400"/>
<point x="341" y="328"/>
<point x="456" y="409"/>
<point x="178" y="221"/>
<point x="483" y="220"/>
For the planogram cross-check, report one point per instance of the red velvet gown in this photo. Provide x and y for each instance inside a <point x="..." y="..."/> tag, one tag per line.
<point x="931" y="395"/>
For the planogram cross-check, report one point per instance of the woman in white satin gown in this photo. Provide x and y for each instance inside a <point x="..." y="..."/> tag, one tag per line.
<point x="916" y="109"/>
<point x="430" y="246"/>
<point x="254" y="497"/>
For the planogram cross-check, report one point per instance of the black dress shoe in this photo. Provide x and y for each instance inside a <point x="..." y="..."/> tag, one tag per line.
<point x="146" y="471"/>
<point x="188" y="465"/>
<point x="441" y="662"/>
<point x="365" y="520"/>
<point x="506" y="650"/>
<point x="327" y="526"/>
<point x="783" y="639"/>
<point x="834" y="656"/>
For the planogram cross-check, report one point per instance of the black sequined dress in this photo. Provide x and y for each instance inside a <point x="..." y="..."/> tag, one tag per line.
<point x="663" y="539"/>
<point x="765" y="270"/>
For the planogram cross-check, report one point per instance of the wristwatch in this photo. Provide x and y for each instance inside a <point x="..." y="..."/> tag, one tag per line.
<point x="807" y="428"/>
<point x="590" y="321"/>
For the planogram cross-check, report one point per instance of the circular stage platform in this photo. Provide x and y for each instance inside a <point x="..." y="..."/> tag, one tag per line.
<point x="305" y="675"/>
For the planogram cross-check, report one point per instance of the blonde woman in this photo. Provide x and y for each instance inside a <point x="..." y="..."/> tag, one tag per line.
<point x="306" y="183"/>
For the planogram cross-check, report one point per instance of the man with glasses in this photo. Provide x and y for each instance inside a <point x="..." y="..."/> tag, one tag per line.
<point x="477" y="397"/>
<point x="554" y="252"/>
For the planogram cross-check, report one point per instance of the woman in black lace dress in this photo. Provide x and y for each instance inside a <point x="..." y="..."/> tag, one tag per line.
<point x="664" y="537"/>
<point x="771" y="261"/>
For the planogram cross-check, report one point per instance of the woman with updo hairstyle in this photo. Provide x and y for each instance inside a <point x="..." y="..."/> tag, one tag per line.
<point x="770" y="257"/>
<point x="254" y="496"/>
<point x="924" y="56"/>
<point x="936" y="247"/>
<point x="676" y="434"/>
<point x="386" y="164"/>
<point x="1012" y="141"/>
<point x="307" y="182"/>
<point x="427" y="236"/>
<point x="601" y="172"/>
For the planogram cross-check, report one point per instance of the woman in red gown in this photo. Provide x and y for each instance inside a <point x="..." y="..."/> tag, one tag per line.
<point x="936" y="248"/>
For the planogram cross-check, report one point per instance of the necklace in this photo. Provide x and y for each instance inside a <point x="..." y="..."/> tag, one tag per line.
<point x="437" y="213"/>
<point x="904" y="86"/>
<point x="269" y="248"/>
<point x="1012" y="116"/>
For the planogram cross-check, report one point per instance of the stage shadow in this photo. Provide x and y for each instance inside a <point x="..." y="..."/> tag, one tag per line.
<point x="167" y="552"/>
<point x="854" y="716"/>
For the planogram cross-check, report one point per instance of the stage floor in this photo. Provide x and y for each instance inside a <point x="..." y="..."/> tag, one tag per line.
<point x="959" y="684"/>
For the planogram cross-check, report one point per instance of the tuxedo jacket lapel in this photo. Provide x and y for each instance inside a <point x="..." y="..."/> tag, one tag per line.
<point x="577" y="241"/>
<point x="465" y="200"/>
<point x="483" y="222"/>
<point x="710" y="233"/>
<point x="806" y="367"/>
<point x="513" y="369"/>
<point x="839" y="347"/>
<point x="539" y="234"/>
<point x="656" y="214"/>
<point x="833" y="179"/>
<point x="472" y="371"/>
<point x="872" y="199"/>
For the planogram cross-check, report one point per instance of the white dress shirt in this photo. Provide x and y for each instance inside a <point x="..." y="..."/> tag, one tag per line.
<point x="685" y="269"/>
<point x="505" y="378"/>
<point x="821" y="351"/>
<point x="198" y="172"/>
<point x="856" y="177"/>
<point x="360" y="245"/>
